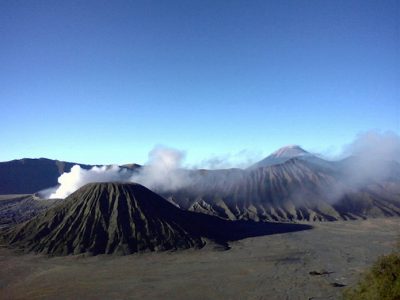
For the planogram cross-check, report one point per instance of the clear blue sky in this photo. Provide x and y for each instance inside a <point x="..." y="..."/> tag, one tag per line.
<point x="105" y="81"/>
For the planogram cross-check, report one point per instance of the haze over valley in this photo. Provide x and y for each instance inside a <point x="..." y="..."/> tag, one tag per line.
<point x="200" y="150"/>
<point x="206" y="216"/>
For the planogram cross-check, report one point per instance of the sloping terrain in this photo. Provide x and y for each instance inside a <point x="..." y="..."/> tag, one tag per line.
<point x="297" y="189"/>
<point x="290" y="184"/>
<point x="282" y="155"/>
<point x="106" y="218"/>
<point x="123" y="218"/>
<point x="28" y="176"/>
<point x="19" y="208"/>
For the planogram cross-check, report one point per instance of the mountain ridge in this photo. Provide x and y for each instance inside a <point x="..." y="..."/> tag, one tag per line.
<point x="303" y="187"/>
<point x="124" y="218"/>
<point x="294" y="190"/>
<point x="106" y="218"/>
<point x="31" y="175"/>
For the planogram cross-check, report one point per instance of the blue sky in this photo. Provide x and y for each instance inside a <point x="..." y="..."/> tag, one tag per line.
<point x="105" y="81"/>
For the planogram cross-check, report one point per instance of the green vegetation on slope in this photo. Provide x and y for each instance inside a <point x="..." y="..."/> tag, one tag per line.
<point x="382" y="282"/>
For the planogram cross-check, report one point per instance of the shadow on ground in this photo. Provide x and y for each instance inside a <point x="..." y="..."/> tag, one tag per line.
<point x="224" y="231"/>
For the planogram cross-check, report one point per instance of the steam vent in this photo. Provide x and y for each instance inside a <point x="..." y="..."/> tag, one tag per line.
<point x="106" y="218"/>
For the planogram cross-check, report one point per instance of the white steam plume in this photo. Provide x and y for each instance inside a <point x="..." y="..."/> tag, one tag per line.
<point x="373" y="155"/>
<point x="160" y="173"/>
<point x="163" y="170"/>
<point x="78" y="177"/>
<point x="371" y="159"/>
<point x="375" y="145"/>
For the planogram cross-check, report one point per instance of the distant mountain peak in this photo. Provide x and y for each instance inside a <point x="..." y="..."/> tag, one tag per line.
<point x="282" y="155"/>
<point x="289" y="151"/>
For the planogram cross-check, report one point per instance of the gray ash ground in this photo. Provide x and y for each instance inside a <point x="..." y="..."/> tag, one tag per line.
<point x="267" y="267"/>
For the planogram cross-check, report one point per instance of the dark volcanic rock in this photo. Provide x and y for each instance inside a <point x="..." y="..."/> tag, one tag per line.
<point x="123" y="218"/>
<point x="106" y="218"/>
<point x="293" y="185"/>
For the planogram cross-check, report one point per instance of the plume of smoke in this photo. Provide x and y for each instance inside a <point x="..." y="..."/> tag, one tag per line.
<point x="375" y="145"/>
<point x="371" y="159"/>
<point x="161" y="172"/>
<point x="69" y="182"/>
<point x="373" y="155"/>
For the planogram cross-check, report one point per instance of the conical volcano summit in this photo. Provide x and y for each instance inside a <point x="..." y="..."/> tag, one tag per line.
<point x="106" y="218"/>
